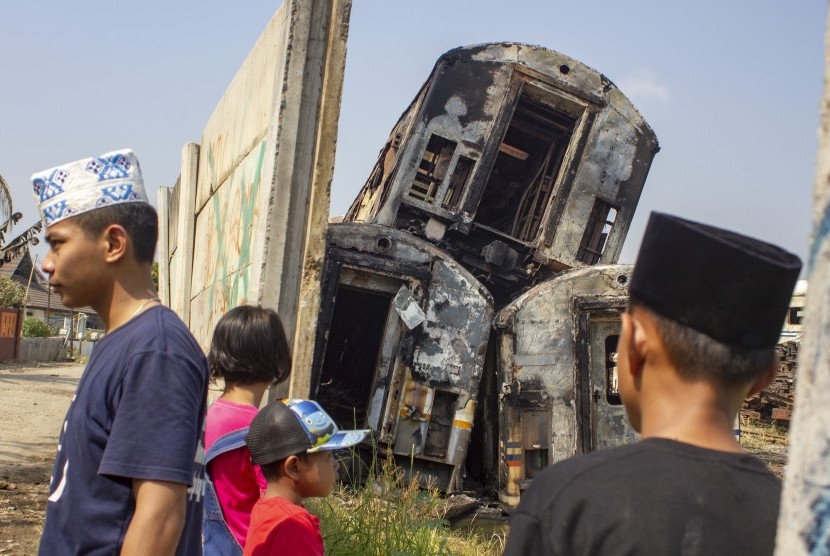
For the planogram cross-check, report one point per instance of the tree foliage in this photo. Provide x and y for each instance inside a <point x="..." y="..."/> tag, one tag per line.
<point x="36" y="328"/>
<point x="11" y="293"/>
<point x="154" y="273"/>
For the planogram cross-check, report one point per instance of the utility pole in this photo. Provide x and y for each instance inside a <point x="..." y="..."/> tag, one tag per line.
<point x="29" y="285"/>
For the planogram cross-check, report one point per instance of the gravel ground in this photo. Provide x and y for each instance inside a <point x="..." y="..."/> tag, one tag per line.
<point x="34" y="402"/>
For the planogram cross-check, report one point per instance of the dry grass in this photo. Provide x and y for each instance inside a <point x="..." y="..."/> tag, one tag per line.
<point x="390" y="516"/>
<point x="768" y="441"/>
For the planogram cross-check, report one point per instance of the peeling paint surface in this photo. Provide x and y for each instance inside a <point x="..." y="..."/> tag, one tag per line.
<point x="451" y="350"/>
<point x="408" y="309"/>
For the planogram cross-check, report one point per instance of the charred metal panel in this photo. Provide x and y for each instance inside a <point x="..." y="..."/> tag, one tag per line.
<point x="401" y="344"/>
<point x="551" y="340"/>
<point x="613" y="169"/>
<point x="454" y="337"/>
<point x="601" y="416"/>
<point x="518" y="161"/>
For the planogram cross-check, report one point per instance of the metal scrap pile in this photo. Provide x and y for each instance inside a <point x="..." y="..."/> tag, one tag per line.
<point x="775" y="403"/>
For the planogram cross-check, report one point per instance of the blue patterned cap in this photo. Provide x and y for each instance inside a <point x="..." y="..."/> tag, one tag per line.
<point x="320" y="427"/>
<point x="289" y="427"/>
<point x="88" y="184"/>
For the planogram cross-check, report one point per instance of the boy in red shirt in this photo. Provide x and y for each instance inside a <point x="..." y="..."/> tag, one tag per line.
<point x="292" y="442"/>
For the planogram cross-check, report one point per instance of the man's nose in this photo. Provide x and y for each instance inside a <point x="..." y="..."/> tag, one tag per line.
<point x="48" y="265"/>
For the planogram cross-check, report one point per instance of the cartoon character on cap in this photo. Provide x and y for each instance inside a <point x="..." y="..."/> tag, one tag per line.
<point x="316" y="421"/>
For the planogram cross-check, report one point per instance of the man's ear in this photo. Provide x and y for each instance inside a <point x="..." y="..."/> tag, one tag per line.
<point x="116" y="241"/>
<point x="291" y="468"/>
<point x="634" y="335"/>
<point x="765" y="379"/>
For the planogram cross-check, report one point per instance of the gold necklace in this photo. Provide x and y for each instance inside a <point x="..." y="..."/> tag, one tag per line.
<point x="143" y="305"/>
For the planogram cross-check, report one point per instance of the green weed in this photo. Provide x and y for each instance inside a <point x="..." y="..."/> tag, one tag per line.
<point x="388" y="515"/>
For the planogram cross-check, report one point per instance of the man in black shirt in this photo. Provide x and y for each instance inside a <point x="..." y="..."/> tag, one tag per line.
<point x="705" y="313"/>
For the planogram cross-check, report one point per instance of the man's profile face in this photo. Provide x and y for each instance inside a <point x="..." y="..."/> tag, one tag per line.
<point x="75" y="264"/>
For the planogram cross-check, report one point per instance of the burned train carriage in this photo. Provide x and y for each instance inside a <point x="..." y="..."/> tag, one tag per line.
<point x="518" y="161"/>
<point x="516" y="170"/>
<point x="400" y="346"/>
<point x="557" y="372"/>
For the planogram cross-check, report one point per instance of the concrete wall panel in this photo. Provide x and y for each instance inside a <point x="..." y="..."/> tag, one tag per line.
<point x="243" y="116"/>
<point x="210" y="304"/>
<point x="41" y="349"/>
<point x="225" y="225"/>
<point x="257" y="204"/>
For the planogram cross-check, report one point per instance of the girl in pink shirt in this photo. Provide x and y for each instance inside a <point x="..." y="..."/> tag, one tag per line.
<point x="249" y="352"/>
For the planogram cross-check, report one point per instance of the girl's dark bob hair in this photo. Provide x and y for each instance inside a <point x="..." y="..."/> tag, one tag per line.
<point x="249" y="346"/>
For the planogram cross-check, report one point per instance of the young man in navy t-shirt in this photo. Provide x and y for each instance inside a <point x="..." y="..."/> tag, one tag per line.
<point x="128" y="476"/>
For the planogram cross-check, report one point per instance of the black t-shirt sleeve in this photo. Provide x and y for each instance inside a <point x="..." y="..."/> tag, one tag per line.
<point x="157" y="413"/>
<point x="526" y="536"/>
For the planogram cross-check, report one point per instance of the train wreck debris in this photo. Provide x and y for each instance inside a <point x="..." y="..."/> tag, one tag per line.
<point x="400" y="345"/>
<point x="775" y="403"/>
<point x="557" y="364"/>
<point x="508" y="185"/>
<point x="518" y="161"/>
<point x="517" y="164"/>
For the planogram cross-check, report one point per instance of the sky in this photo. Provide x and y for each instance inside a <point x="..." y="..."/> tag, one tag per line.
<point x="731" y="89"/>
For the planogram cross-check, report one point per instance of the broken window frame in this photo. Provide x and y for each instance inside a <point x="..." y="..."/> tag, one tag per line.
<point x="440" y="425"/>
<point x="612" y="385"/>
<point x="534" y="85"/>
<point x="451" y="191"/>
<point x="795" y="316"/>
<point x="598" y="231"/>
<point x="584" y="310"/>
<point x="537" y="441"/>
<point x="338" y="261"/>
<point x="436" y="160"/>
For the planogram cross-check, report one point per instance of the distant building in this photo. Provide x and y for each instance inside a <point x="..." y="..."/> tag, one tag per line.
<point x="40" y="303"/>
<point x="794" y="323"/>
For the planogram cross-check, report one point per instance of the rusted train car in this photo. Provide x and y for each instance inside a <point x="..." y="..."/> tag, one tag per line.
<point x="513" y="173"/>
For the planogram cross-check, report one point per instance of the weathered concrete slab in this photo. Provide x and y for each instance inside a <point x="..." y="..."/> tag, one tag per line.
<point x="244" y="221"/>
<point x="804" y="522"/>
<point x="41" y="349"/>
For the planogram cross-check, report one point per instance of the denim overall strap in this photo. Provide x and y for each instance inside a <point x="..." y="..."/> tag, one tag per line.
<point x="226" y="443"/>
<point x="218" y="540"/>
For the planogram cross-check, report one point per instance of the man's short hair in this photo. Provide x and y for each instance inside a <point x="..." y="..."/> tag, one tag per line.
<point x="249" y="346"/>
<point x="699" y="357"/>
<point x="138" y="219"/>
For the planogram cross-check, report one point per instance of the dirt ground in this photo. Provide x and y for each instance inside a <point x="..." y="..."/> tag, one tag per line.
<point x="34" y="401"/>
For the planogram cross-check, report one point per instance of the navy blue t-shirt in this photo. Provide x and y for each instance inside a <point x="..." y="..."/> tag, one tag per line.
<point x="138" y="413"/>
